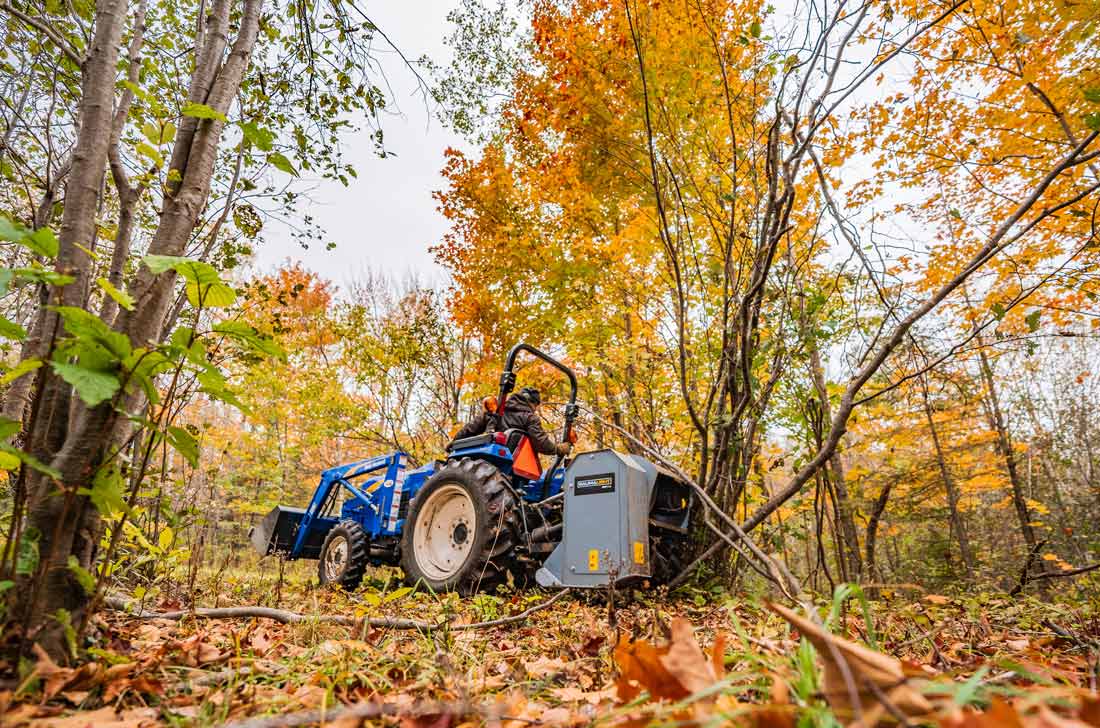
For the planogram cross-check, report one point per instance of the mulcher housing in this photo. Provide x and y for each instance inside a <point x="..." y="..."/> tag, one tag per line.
<point x="603" y="517"/>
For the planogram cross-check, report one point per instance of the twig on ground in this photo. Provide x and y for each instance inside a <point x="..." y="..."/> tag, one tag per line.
<point x="1061" y="574"/>
<point x="287" y="617"/>
<point x="361" y="710"/>
<point x="920" y="638"/>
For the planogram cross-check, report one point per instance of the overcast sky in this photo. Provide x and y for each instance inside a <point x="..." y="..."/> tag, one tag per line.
<point x="386" y="219"/>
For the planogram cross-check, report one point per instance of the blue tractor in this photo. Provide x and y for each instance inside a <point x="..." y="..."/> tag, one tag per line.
<point x="488" y="510"/>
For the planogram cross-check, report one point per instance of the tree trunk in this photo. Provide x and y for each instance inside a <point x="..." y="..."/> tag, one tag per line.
<point x="1004" y="448"/>
<point x="69" y="435"/>
<point x="872" y="538"/>
<point x="60" y="518"/>
<point x="949" y="485"/>
<point x="837" y="476"/>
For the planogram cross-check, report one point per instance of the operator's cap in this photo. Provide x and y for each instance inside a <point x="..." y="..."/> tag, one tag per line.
<point x="530" y="394"/>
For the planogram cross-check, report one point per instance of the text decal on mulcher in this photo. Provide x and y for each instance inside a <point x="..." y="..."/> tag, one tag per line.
<point x="592" y="484"/>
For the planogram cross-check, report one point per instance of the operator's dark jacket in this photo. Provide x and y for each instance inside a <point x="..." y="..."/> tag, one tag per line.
<point x="518" y="414"/>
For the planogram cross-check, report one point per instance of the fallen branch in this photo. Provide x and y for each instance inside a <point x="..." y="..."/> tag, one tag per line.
<point x="286" y="617"/>
<point x="1058" y="574"/>
<point x="360" y="711"/>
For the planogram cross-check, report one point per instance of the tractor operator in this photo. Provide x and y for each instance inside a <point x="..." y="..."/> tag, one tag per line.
<point x="521" y="412"/>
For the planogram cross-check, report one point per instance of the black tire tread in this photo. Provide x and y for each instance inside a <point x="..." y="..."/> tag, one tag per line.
<point x="495" y="559"/>
<point x="358" y="554"/>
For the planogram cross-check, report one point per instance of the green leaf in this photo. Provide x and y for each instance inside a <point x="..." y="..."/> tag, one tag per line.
<point x="138" y="91"/>
<point x="202" y="111"/>
<point x="1032" y="320"/>
<point x="12" y="330"/>
<point x="755" y="29"/>
<point x="122" y="298"/>
<point x="150" y="153"/>
<point x="106" y="492"/>
<point x="280" y="162"/>
<point x="43" y="242"/>
<point x="195" y="351"/>
<point x="65" y="618"/>
<point x="11" y="231"/>
<point x="162" y="263"/>
<point x="24" y="367"/>
<point x="151" y="132"/>
<point x="144" y="365"/>
<point x="82" y="575"/>
<point x="42" y="275"/>
<point x="185" y="444"/>
<point x="1092" y="94"/>
<point x="30" y="460"/>
<point x="88" y="327"/>
<point x="259" y="137"/>
<point x="251" y="338"/>
<point x="5" y="585"/>
<point x="1092" y="121"/>
<point x="204" y="286"/>
<point x="9" y="427"/>
<point x="397" y="594"/>
<point x="213" y="385"/>
<point x="9" y="461"/>
<point x="998" y="310"/>
<point x="94" y="386"/>
<point x="196" y="271"/>
<point x="212" y="295"/>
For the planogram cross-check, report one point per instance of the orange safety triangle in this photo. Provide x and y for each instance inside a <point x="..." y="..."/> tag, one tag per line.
<point x="525" y="461"/>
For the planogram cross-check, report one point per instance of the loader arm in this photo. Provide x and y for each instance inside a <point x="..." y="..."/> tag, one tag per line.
<point x="393" y="466"/>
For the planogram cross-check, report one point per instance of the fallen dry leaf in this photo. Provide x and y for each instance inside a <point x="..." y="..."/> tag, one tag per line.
<point x="570" y="694"/>
<point x="543" y="666"/>
<point x="670" y="672"/>
<point x="102" y="718"/>
<point x="854" y="671"/>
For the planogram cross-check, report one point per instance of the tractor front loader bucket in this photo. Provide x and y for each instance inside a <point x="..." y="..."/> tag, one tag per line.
<point x="278" y="530"/>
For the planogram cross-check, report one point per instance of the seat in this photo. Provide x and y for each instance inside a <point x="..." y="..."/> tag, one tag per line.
<point x="472" y="441"/>
<point x="525" y="461"/>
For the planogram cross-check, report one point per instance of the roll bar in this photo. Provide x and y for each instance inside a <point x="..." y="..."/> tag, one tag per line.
<point x="508" y="383"/>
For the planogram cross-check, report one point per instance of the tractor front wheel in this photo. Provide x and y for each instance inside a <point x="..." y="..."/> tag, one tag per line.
<point x="344" y="556"/>
<point x="462" y="529"/>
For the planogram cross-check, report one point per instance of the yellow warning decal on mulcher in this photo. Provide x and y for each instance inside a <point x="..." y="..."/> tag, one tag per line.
<point x="639" y="552"/>
<point x="593" y="559"/>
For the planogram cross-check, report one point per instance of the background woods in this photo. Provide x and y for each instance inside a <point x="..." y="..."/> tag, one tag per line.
<point x="839" y="263"/>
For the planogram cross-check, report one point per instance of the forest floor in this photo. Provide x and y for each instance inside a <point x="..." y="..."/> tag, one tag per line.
<point x="700" y="657"/>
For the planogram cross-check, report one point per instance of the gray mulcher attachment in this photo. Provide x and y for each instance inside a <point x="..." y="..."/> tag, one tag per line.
<point x="606" y="534"/>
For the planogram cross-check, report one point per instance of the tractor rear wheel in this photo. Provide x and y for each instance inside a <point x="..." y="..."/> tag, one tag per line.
<point x="344" y="556"/>
<point x="462" y="529"/>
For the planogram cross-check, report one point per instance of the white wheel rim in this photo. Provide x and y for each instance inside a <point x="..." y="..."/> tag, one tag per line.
<point x="336" y="558"/>
<point x="443" y="534"/>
